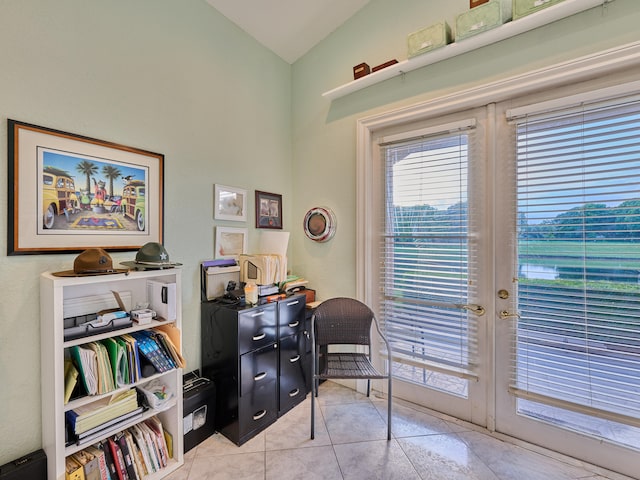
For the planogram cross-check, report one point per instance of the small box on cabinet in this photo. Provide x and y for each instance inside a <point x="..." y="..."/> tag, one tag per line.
<point x="361" y="70"/>
<point x="429" y="38"/>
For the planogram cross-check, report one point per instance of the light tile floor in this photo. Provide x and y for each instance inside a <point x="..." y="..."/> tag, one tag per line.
<point x="351" y="444"/>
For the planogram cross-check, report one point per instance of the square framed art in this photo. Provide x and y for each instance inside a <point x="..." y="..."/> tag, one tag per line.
<point x="268" y="210"/>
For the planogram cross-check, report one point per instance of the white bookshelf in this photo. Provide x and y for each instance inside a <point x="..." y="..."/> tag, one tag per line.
<point x="53" y="293"/>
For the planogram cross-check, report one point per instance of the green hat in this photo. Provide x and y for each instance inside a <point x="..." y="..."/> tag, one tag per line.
<point x="151" y="256"/>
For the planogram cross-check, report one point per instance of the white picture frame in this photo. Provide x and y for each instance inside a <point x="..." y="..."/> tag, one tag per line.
<point x="230" y="242"/>
<point x="229" y="203"/>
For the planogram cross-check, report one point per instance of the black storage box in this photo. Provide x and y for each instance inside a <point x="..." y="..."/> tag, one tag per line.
<point x="29" y="467"/>
<point x="199" y="407"/>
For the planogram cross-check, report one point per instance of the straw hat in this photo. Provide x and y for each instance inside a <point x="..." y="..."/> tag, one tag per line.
<point x="151" y="256"/>
<point x="93" y="261"/>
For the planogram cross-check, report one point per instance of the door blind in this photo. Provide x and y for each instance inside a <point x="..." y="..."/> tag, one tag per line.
<point x="577" y="340"/>
<point x="426" y="246"/>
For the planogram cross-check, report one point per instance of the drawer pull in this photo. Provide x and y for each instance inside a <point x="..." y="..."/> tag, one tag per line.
<point x="257" y="314"/>
<point x="294" y="392"/>
<point x="259" y="337"/>
<point x="260" y="376"/>
<point x="294" y="359"/>
<point x="294" y="324"/>
<point x="259" y="415"/>
<point x="295" y="302"/>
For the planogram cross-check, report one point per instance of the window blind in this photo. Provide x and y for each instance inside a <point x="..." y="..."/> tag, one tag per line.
<point x="426" y="245"/>
<point x="577" y="341"/>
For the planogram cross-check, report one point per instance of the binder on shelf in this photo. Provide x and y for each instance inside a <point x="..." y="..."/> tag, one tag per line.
<point x="152" y="351"/>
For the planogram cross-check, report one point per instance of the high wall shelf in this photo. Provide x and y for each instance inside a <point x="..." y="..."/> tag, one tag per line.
<point x="548" y="15"/>
<point x="54" y="293"/>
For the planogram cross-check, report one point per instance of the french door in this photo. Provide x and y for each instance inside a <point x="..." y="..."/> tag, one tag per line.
<point x="568" y="284"/>
<point x="505" y="267"/>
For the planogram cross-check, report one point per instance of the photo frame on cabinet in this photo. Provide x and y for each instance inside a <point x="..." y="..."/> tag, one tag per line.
<point x="230" y="203"/>
<point x="68" y="192"/>
<point x="230" y="242"/>
<point x="268" y="210"/>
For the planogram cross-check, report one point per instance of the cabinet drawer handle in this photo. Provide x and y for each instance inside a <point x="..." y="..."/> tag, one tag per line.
<point x="257" y="314"/>
<point x="294" y="392"/>
<point x="294" y="359"/>
<point x="294" y="324"/>
<point x="295" y="302"/>
<point x="260" y="376"/>
<point x="259" y="415"/>
<point x="259" y="337"/>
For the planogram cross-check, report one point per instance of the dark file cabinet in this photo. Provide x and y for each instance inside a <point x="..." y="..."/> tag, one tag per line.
<point x="258" y="374"/>
<point x="291" y="321"/>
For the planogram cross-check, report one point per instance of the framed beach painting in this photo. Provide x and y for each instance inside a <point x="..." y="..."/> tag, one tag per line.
<point x="68" y="192"/>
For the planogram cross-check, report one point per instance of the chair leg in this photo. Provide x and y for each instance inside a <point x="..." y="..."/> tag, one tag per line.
<point x="389" y="410"/>
<point x="313" y="410"/>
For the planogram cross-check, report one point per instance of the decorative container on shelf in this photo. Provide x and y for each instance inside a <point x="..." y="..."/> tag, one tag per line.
<point x="523" y="8"/>
<point x="481" y="18"/>
<point x="429" y="38"/>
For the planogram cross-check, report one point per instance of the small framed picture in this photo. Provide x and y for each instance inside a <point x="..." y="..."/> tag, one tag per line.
<point x="230" y="203"/>
<point x="230" y="242"/>
<point x="268" y="210"/>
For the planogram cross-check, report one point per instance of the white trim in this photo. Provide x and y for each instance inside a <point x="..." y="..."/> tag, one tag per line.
<point x="578" y="100"/>
<point x="425" y="132"/>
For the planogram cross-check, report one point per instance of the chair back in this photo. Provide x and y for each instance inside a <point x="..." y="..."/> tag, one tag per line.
<point x="343" y="321"/>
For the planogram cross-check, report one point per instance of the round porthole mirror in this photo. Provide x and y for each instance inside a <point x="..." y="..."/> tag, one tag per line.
<point x="320" y="224"/>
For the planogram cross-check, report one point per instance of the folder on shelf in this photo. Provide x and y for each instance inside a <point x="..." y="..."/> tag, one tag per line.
<point x="134" y="357"/>
<point x="167" y="334"/>
<point x="119" y="361"/>
<point x="70" y="379"/>
<point x="105" y="376"/>
<point x="87" y="363"/>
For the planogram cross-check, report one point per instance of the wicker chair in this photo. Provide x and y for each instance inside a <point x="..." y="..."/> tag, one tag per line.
<point x="344" y="321"/>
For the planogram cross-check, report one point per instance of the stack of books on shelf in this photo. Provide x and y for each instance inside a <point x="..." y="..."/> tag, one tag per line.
<point x="88" y="422"/>
<point x="141" y="450"/>
<point x="103" y="366"/>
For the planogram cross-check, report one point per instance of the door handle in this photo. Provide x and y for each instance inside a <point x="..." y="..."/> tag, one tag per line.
<point x="259" y="376"/>
<point x="504" y="314"/>
<point x="473" y="308"/>
<point x="294" y="324"/>
<point x="294" y="359"/>
<point x="260" y="336"/>
<point x="294" y="392"/>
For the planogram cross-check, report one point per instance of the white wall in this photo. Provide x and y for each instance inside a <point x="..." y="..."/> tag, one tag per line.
<point x="324" y="132"/>
<point x="173" y="77"/>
